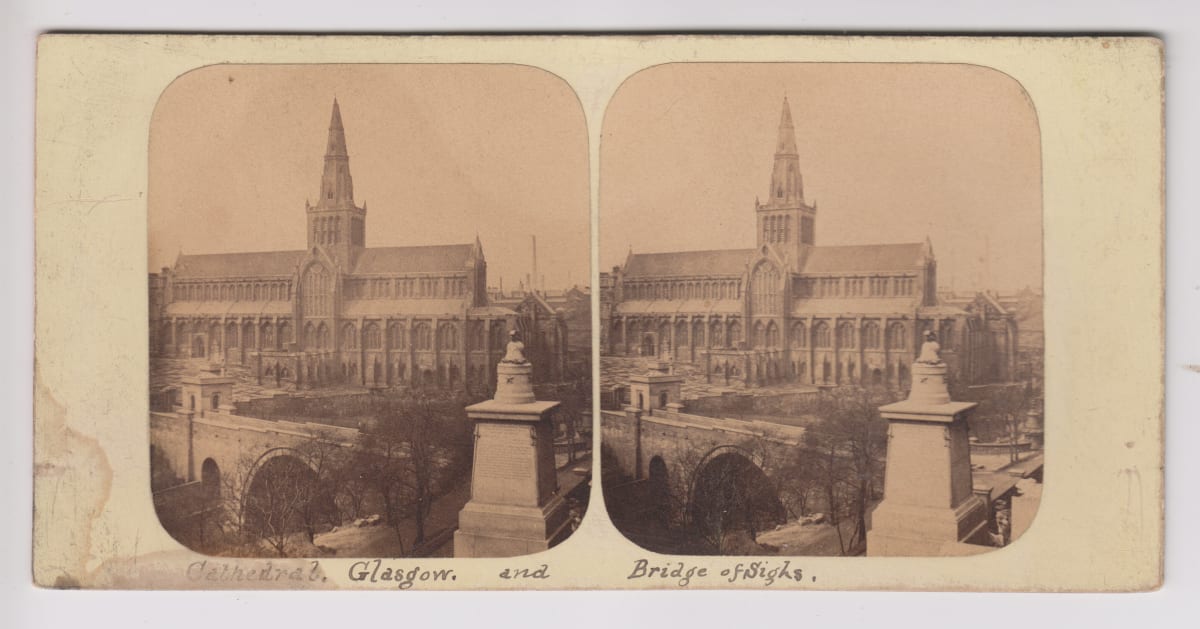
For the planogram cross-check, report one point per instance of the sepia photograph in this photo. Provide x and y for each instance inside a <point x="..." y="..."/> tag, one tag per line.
<point x="821" y="309"/>
<point x="328" y="380"/>
<point x="615" y="312"/>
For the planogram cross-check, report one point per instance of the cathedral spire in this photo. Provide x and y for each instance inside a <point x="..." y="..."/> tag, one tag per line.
<point x="337" y="187"/>
<point x="337" y="134"/>
<point x="335" y="222"/>
<point x="786" y="145"/>
<point x="787" y="188"/>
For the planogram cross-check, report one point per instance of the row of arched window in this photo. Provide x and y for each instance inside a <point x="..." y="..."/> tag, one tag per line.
<point x="715" y="289"/>
<point x="808" y="287"/>
<point x="768" y="334"/>
<point x="400" y="288"/>
<point x="719" y="333"/>
<point x="272" y="335"/>
<point x="267" y="335"/>
<point x="233" y="291"/>
<point x="871" y="336"/>
<point x="422" y="337"/>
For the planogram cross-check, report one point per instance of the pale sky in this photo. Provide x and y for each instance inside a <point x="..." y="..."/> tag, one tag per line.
<point x="439" y="153"/>
<point x="891" y="153"/>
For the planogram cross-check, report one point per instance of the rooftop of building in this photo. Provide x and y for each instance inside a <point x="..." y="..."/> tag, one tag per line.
<point x="839" y="259"/>
<point x="371" y="261"/>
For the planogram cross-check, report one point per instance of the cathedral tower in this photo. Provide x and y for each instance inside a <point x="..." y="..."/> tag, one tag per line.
<point x="786" y="222"/>
<point x="335" y="224"/>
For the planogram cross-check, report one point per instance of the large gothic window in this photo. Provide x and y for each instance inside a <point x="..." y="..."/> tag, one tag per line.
<point x="316" y="297"/>
<point x="267" y="337"/>
<point x="285" y="333"/>
<point x="773" y="336"/>
<point x="349" y="337"/>
<point x="765" y="293"/>
<point x="323" y="337"/>
<point x="716" y="334"/>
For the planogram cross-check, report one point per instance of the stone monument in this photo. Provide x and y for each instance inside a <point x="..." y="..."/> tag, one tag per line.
<point x="515" y="508"/>
<point x="929" y="507"/>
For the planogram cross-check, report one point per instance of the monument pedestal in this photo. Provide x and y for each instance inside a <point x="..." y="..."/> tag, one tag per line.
<point x="514" y="507"/>
<point x="928" y="505"/>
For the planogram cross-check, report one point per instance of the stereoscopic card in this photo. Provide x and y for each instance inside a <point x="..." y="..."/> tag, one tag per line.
<point x="703" y="312"/>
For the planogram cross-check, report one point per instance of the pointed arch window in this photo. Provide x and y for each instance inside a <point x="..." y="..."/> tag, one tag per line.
<point x="897" y="336"/>
<point x="870" y="335"/>
<point x="372" y="339"/>
<point x="845" y="336"/>
<point x="396" y="337"/>
<point x="799" y="335"/>
<point x="448" y="336"/>
<point x="422" y="337"/>
<point x="821" y="335"/>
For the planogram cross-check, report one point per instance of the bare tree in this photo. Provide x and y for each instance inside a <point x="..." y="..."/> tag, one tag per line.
<point x="418" y="450"/>
<point x="1004" y="411"/>
<point x="278" y="499"/>
<point x="847" y="446"/>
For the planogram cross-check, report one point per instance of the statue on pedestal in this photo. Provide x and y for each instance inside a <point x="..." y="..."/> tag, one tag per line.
<point x="515" y="351"/>
<point x="929" y="350"/>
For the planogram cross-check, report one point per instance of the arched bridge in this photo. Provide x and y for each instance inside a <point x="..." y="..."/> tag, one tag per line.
<point x="202" y="451"/>
<point x="712" y="476"/>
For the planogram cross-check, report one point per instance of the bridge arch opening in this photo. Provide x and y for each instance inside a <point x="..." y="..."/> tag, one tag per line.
<point x="658" y="482"/>
<point x="210" y="479"/>
<point x="731" y="501"/>
<point x="283" y="497"/>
